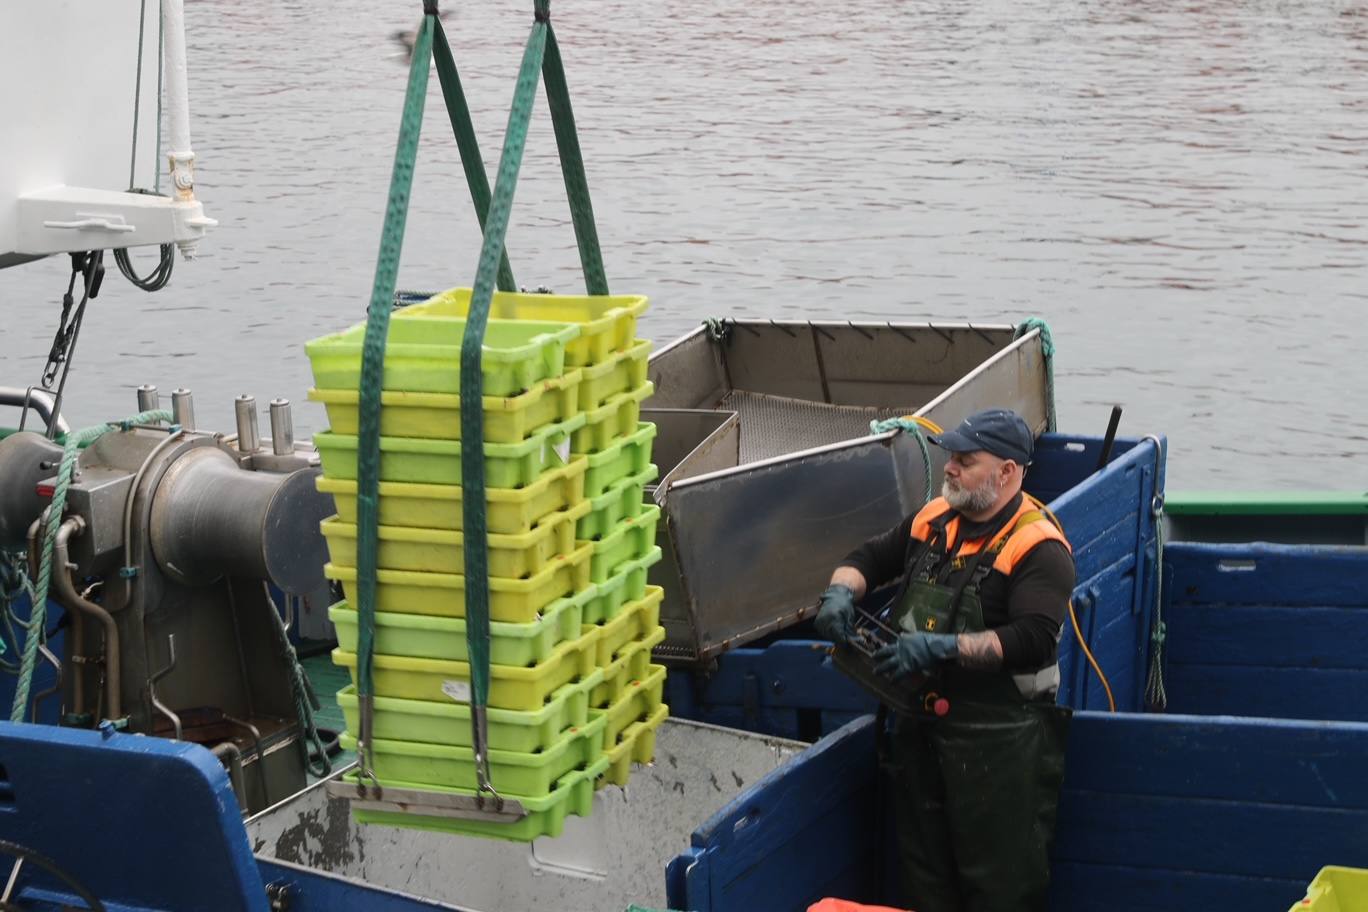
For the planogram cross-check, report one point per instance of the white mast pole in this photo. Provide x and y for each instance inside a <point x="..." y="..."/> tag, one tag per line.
<point x="182" y="157"/>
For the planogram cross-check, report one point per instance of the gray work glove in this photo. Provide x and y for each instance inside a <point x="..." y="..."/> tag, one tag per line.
<point x="836" y="617"/>
<point x="913" y="653"/>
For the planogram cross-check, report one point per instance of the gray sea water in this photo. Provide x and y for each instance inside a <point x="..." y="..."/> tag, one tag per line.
<point x="1180" y="189"/>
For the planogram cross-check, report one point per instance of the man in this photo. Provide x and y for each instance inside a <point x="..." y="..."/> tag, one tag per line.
<point x="985" y="581"/>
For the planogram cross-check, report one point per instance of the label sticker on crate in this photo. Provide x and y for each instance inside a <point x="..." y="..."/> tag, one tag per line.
<point x="561" y="448"/>
<point x="457" y="690"/>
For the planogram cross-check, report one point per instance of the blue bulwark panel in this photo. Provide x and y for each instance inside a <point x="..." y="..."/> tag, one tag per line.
<point x="1158" y="813"/>
<point x="1109" y="520"/>
<point x="807" y="830"/>
<point x="789" y="689"/>
<point x="1268" y="630"/>
<point x="1183" y="812"/>
<point x="140" y="822"/>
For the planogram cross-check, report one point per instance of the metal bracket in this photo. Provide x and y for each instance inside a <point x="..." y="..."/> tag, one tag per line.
<point x="374" y="797"/>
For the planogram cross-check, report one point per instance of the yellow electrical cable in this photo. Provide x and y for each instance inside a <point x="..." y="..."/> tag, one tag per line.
<point x="1111" y="702"/>
<point x="1078" y="633"/>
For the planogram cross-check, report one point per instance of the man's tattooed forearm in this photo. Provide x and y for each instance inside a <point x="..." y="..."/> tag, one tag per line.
<point x="980" y="650"/>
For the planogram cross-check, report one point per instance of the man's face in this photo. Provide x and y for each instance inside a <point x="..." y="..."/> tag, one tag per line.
<point x="972" y="481"/>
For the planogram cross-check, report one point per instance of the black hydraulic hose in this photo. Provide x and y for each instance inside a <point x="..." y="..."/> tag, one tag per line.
<point x="157" y="279"/>
<point x="25" y="854"/>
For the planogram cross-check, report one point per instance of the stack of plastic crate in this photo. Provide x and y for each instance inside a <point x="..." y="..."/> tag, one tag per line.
<point x="546" y="738"/>
<point x="619" y="526"/>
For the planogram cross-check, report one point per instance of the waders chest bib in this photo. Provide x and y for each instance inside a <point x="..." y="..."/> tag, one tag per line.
<point x="976" y="792"/>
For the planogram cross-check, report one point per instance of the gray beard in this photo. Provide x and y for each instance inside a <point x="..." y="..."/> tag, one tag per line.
<point x="971" y="501"/>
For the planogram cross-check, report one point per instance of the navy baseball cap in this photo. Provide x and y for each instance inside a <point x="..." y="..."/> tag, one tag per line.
<point x="1001" y="432"/>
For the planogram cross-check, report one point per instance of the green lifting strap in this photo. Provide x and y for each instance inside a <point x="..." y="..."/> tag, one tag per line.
<point x="372" y="365"/>
<point x="542" y="55"/>
<point x="492" y="268"/>
<point x="572" y="163"/>
<point x="464" y="130"/>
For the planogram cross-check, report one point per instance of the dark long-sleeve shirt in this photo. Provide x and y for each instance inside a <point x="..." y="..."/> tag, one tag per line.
<point x="1025" y="609"/>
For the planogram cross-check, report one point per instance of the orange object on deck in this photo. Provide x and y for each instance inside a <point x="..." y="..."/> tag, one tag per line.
<point x="830" y="904"/>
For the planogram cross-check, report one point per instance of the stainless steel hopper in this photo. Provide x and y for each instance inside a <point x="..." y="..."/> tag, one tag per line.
<point x="769" y="472"/>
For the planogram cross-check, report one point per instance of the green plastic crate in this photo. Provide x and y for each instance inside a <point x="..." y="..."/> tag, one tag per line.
<point x="443" y="551"/>
<point x="508" y="511"/>
<point x="631" y="663"/>
<point x="1336" y="889"/>
<point x="412" y="459"/>
<point x="627" y="456"/>
<point x="607" y="323"/>
<point x="639" y="700"/>
<point x="622" y="499"/>
<point x="422" y="636"/>
<point x="636" y="744"/>
<point x="626" y="584"/>
<point x="514" y="601"/>
<point x="437" y="416"/>
<point x="446" y="722"/>
<point x="424" y="355"/>
<point x="635" y="621"/>
<point x="622" y="371"/>
<point x="613" y="420"/>
<point x="510" y="687"/>
<point x="632" y="538"/>
<point x="532" y="774"/>
<point x="574" y="794"/>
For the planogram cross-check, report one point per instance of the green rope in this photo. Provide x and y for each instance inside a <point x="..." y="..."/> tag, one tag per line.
<point x="908" y="426"/>
<point x="1047" y="348"/>
<point x="33" y="628"/>
<point x="319" y="765"/>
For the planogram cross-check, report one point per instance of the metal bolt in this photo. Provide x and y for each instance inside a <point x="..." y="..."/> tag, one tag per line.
<point x="147" y="397"/>
<point x="249" y="438"/>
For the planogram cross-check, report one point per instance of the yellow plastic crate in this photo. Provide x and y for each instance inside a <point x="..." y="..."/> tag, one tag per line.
<point x="607" y="323"/>
<point x="422" y="636"/>
<point x="626" y="584"/>
<point x="623" y="371"/>
<point x="613" y="420"/>
<point x="424" y="355"/>
<point x="533" y="774"/>
<point x="632" y="538"/>
<point x="630" y="455"/>
<point x="1336" y="889"/>
<point x="443" y="551"/>
<point x="631" y="663"/>
<point x="635" y="745"/>
<point x="412" y="459"/>
<point x="514" y="601"/>
<point x="634" y="622"/>
<point x="639" y="700"/>
<point x="573" y="794"/>
<point x="622" y="499"/>
<point x="509" y="687"/>
<point x="508" y="511"/>
<point x="446" y="722"/>
<point x="437" y="416"/>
